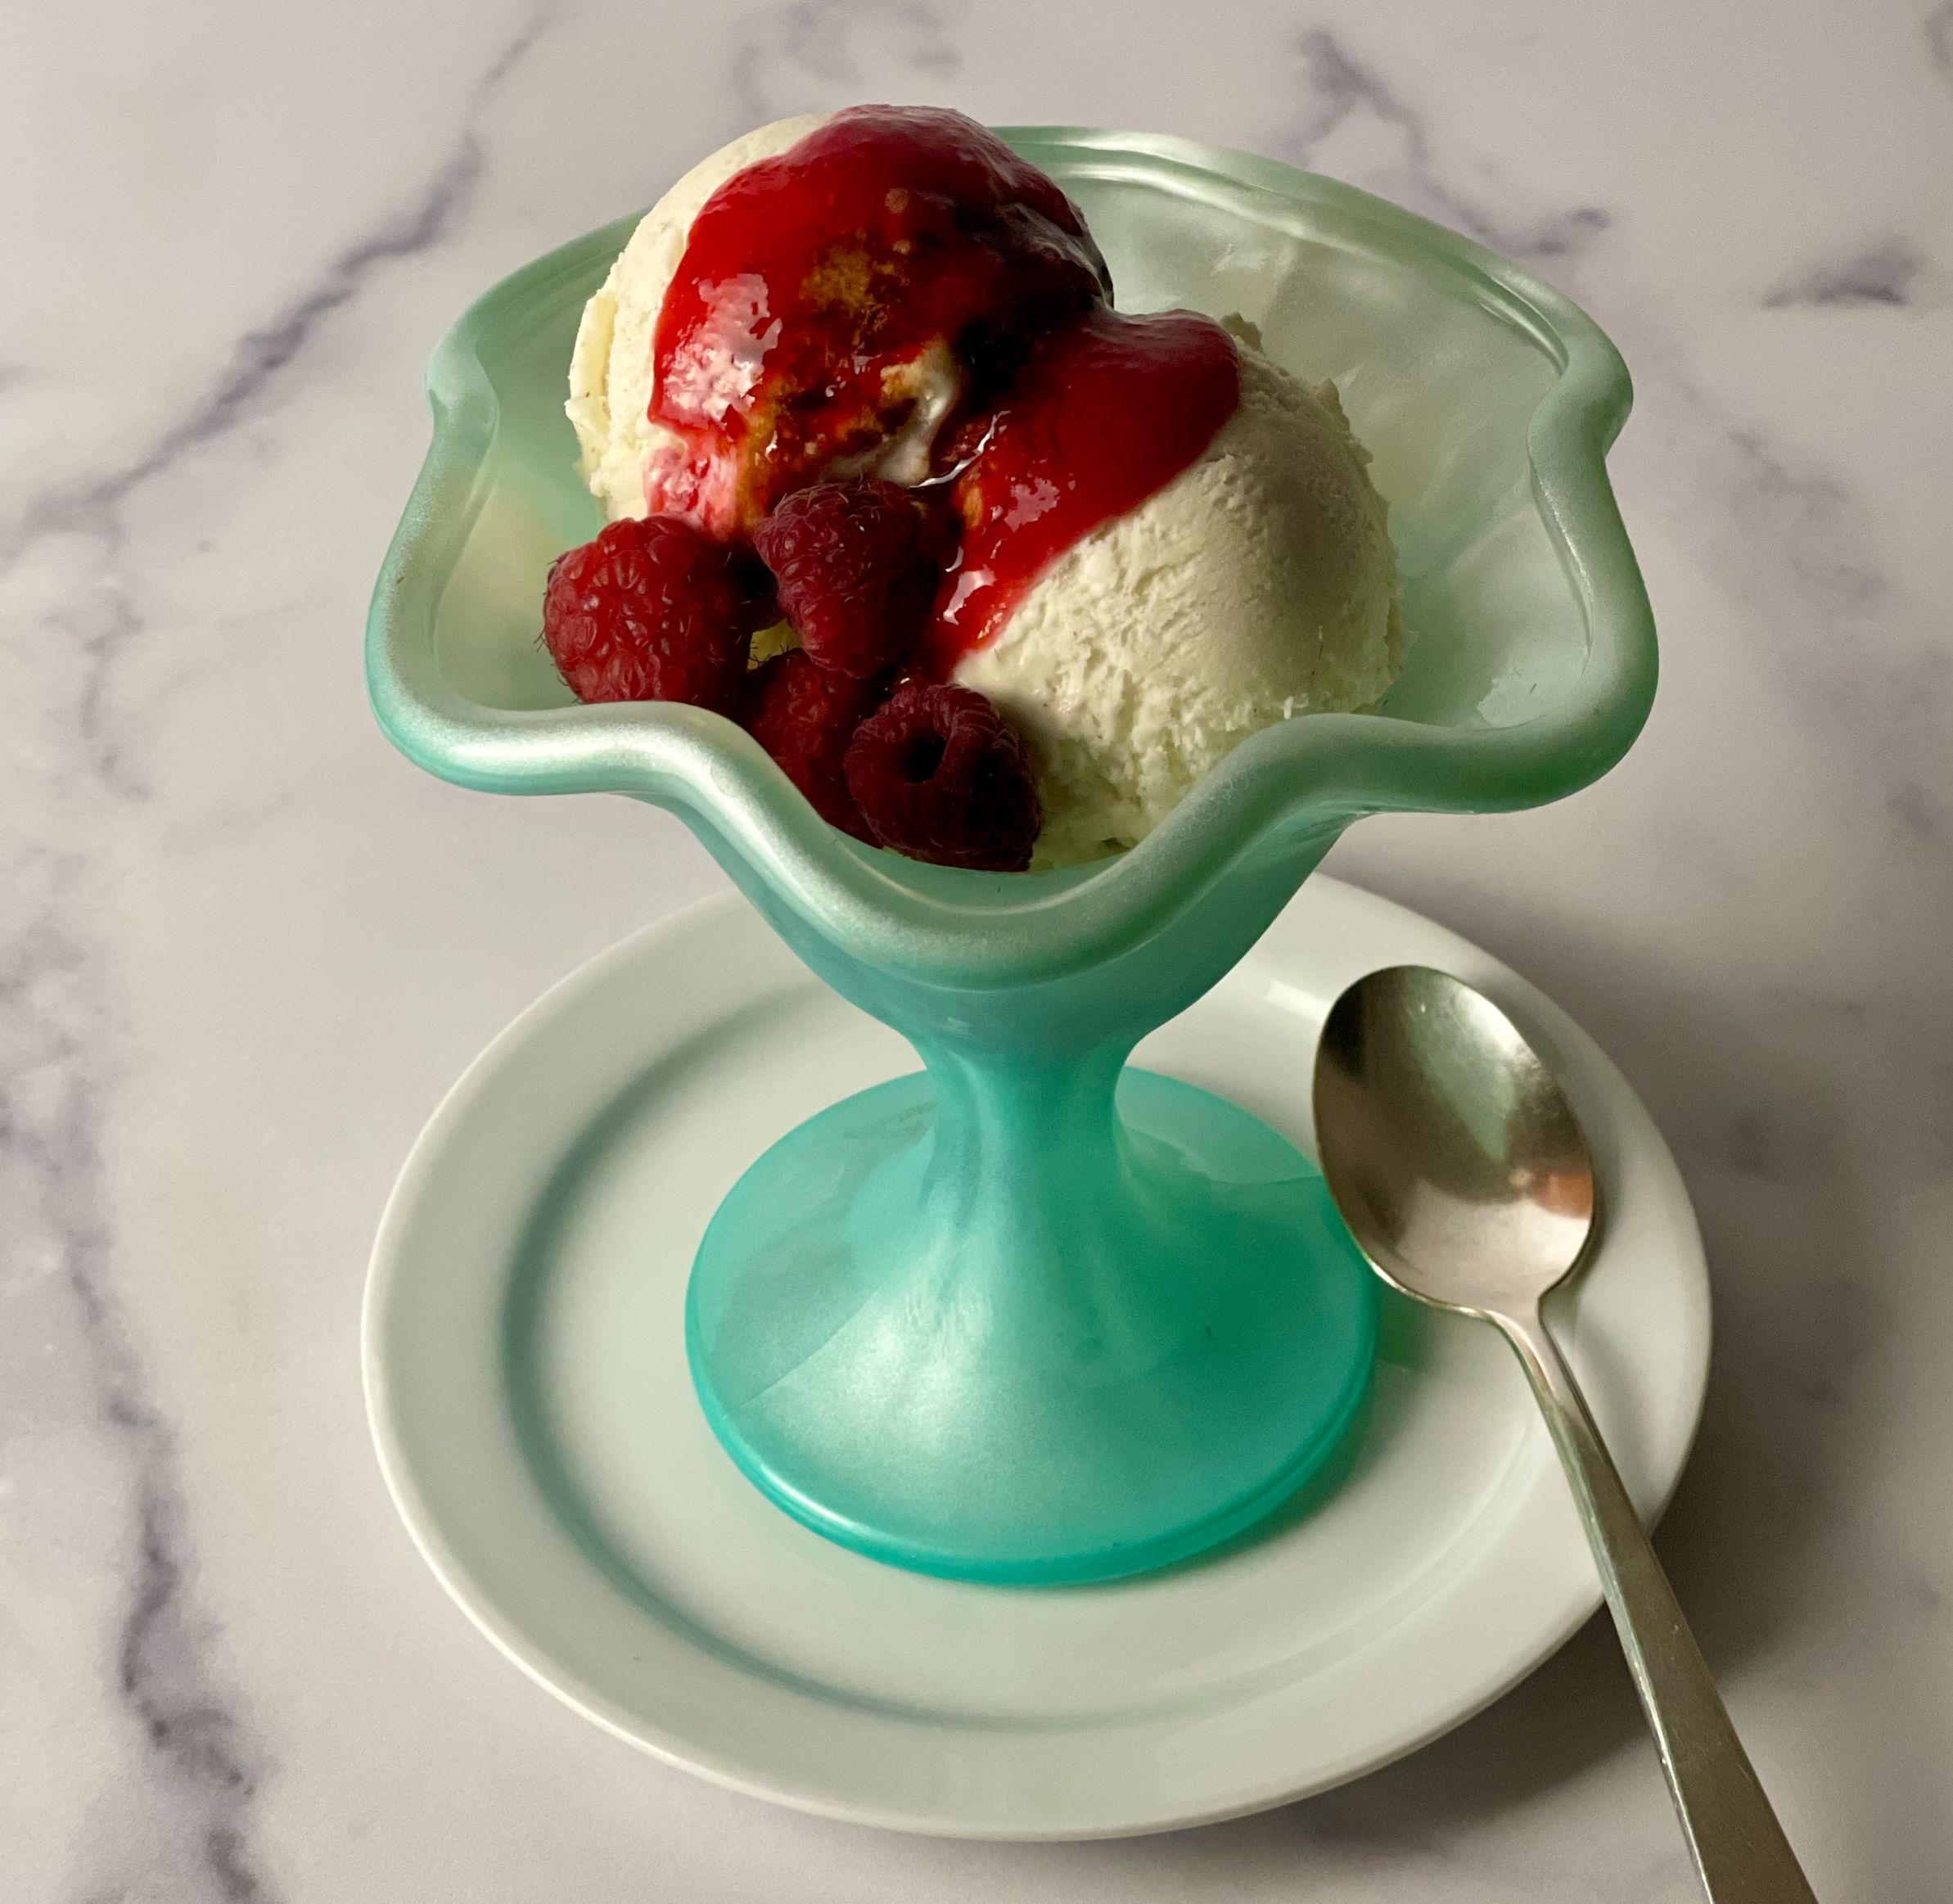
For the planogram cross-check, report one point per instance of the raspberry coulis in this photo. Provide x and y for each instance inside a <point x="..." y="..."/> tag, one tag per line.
<point x="807" y="278"/>
<point x="1107" y="413"/>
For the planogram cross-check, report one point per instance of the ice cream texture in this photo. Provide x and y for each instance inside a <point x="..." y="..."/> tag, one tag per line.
<point x="1260" y="584"/>
<point x="1256" y="583"/>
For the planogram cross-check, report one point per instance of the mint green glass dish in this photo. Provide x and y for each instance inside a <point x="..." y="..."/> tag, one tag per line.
<point x="1032" y="1315"/>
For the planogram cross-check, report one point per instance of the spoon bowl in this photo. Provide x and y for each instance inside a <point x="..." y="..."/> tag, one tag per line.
<point x="1458" y="1162"/>
<point x="1461" y="1170"/>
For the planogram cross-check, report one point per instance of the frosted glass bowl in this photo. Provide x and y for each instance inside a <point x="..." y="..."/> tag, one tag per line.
<point x="1030" y="1315"/>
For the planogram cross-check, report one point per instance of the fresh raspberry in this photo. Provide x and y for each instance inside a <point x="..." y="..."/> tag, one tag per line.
<point x="858" y="563"/>
<point x="652" y="611"/>
<point x="939" y="776"/>
<point x="805" y="716"/>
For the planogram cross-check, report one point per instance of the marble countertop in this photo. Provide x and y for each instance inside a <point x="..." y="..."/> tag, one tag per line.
<point x="247" y="946"/>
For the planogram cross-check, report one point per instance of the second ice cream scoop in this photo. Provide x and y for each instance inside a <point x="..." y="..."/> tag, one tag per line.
<point x="1257" y="584"/>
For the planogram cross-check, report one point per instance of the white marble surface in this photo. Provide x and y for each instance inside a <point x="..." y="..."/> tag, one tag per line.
<point x="247" y="946"/>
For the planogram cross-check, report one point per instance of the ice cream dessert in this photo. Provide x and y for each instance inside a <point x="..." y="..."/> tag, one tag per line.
<point x="1021" y="568"/>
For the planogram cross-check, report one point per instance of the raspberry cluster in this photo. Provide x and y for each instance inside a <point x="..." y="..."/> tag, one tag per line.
<point x="654" y="611"/>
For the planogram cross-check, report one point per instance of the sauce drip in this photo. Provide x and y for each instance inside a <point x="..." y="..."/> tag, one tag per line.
<point x="896" y="251"/>
<point x="814" y="285"/>
<point x="1107" y="411"/>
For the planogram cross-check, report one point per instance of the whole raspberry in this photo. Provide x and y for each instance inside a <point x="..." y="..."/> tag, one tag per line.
<point x="805" y="716"/>
<point x="858" y="563"/>
<point x="939" y="776"/>
<point x="651" y="610"/>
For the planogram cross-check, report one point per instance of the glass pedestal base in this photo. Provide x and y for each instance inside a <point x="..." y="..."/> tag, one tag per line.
<point x="1029" y="1348"/>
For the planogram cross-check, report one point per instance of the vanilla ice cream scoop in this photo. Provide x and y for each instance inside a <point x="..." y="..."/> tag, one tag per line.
<point x="1258" y="585"/>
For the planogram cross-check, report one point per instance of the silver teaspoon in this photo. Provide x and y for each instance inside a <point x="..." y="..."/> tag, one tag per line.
<point x="1465" y="1178"/>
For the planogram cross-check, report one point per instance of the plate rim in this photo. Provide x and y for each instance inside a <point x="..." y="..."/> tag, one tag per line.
<point x="423" y="1521"/>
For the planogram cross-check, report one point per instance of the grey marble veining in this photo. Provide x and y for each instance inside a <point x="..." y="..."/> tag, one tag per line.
<point x="204" y="1762"/>
<point x="246" y="947"/>
<point x="1349" y="122"/>
<point x="1884" y="273"/>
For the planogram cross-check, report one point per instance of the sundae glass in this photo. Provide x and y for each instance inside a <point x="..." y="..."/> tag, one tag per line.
<point x="1032" y="1315"/>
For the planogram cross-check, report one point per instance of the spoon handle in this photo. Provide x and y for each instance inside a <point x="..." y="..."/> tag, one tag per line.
<point x="1740" y="1849"/>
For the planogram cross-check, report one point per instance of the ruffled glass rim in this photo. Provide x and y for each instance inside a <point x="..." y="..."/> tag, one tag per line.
<point x="1308" y="775"/>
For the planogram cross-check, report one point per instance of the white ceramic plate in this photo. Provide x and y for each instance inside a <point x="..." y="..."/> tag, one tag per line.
<point x="526" y="1381"/>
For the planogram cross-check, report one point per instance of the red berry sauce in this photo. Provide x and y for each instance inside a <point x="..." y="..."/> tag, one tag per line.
<point x="885" y="231"/>
<point x="814" y="288"/>
<point x="1108" y="412"/>
<point x="807" y="276"/>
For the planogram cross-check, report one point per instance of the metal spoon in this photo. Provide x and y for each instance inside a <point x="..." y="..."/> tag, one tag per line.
<point x="1464" y="1175"/>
